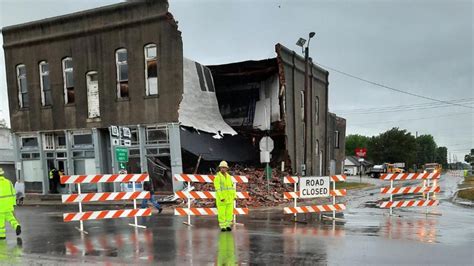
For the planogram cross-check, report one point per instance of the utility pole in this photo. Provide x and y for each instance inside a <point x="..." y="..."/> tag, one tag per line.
<point x="306" y="110"/>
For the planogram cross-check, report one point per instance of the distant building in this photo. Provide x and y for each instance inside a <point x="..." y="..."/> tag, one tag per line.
<point x="353" y="166"/>
<point x="7" y="154"/>
<point x="337" y="144"/>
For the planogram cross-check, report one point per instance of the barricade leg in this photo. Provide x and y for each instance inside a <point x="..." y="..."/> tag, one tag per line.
<point x="81" y="223"/>
<point x="234" y="220"/>
<point x="391" y="197"/>
<point x="295" y="201"/>
<point x="135" y="207"/>
<point x="334" y="200"/>
<point x="189" y="207"/>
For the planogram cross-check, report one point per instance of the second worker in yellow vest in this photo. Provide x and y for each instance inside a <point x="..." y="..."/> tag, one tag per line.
<point x="225" y="197"/>
<point x="7" y="203"/>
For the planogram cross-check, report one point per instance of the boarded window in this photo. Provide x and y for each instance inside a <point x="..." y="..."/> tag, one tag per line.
<point x="151" y="69"/>
<point x="22" y="86"/>
<point x="336" y="139"/>
<point x="68" y="80"/>
<point x="46" y="96"/>
<point x="121" y="60"/>
<point x="93" y="103"/>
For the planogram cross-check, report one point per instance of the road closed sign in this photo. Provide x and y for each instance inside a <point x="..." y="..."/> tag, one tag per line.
<point x="314" y="187"/>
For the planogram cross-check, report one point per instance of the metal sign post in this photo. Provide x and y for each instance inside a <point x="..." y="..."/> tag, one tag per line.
<point x="266" y="146"/>
<point x="120" y="139"/>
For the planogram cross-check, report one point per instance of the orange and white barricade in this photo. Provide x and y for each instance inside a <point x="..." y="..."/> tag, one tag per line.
<point x="295" y="195"/>
<point x="189" y="196"/>
<point x="427" y="189"/>
<point x="105" y="196"/>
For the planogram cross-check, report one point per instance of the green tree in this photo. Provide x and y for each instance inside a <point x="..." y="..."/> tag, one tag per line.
<point x="355" y="141"/>
<point x="442" y="156"/>
<point x="469" y="158"/>
<point x="394" y="145"/>
<point x="425" y="150"/>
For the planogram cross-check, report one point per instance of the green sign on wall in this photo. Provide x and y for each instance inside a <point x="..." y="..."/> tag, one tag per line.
<point x="121" y="154"/>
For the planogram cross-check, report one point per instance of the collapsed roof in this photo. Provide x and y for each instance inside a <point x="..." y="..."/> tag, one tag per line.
<point x="199" y="108"/>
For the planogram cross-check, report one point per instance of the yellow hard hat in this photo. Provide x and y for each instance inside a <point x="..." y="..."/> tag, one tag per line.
<point x="1" y="171"/>
<point x="223" y="164"/>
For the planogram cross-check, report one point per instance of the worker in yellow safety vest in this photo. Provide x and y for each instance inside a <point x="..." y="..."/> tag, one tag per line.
<point x="7" y="203"/>
<point x="225" y="197"/>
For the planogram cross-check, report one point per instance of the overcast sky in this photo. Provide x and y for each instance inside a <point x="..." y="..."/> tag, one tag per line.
<point x="423" y="47"/>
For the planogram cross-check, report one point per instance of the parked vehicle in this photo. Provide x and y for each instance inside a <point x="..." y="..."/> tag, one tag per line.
<point x="385" y="168"/>
<point x="432" y="168"/>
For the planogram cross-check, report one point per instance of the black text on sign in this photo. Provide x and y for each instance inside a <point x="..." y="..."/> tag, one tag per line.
<point x="314" y="187"/>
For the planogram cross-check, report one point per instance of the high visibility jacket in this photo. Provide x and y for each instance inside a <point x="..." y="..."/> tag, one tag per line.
<point x="7" y="195"/>
<point x="224" y="188"/>
<point x="51" y="174"/>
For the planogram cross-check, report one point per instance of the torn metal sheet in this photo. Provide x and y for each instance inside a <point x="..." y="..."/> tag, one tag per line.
<point x="228" y="148"/>
<point x="199" y="108"/>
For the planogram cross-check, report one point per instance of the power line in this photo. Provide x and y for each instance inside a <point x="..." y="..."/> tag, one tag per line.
<point x="402" y="106"/>
<point x="391" y="109"/>
<point x="411" y="119"/>
<point x="391" y="88"/>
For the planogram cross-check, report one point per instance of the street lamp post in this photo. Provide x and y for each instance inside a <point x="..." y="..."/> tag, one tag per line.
<point x="306" y="110"/>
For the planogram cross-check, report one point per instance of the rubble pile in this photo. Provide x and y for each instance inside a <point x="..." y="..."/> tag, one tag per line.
<point x="261" y="195"/>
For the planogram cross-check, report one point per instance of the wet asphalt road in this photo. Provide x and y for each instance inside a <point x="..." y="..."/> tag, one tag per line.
<point x="368" y="236"/>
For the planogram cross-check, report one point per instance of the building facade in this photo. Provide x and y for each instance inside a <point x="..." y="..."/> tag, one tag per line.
<point x="337" y="145"/>
<point x="71" y="77"/>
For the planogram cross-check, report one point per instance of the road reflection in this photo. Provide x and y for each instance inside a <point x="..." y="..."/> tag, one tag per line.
<point x="10" y="254"/>
<point x="421" y="229"/>
<point x="226" y="249"/>
<point x="136" y="245"/>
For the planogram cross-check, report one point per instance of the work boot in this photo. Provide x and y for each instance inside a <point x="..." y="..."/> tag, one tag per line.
<point x="18" y="230"/>
<point x="223" y="229"/>
<point x="229" y="229"/>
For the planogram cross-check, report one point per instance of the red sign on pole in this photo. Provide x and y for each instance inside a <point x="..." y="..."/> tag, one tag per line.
<point x="361" y="152"/>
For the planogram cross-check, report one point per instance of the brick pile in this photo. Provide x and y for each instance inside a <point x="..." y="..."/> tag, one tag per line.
<point x="260" y="195"/>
